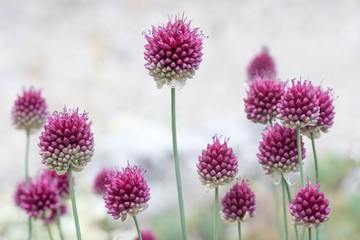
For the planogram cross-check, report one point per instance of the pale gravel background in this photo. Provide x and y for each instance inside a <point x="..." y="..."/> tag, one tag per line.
<point x="90" y="54"/>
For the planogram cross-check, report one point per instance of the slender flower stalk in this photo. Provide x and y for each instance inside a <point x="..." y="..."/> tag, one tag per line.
<point x="27" y="175"/>
<point x="309" y="233"/>
<point x="48" y="227"/>
<point x="289" y="198"/>
<point x="177" y="167"/>
<point x="277" y="211"/>
<point x="285" y="208"/>
<point x="73" y="202"/>
<point x="137" y="228"/>
<point x="239" y="230"/>
<point x="300" y="156"/>
<point x="216" y="213"/>
<point x="316" y="173"/>
<point x="58" y="215"/>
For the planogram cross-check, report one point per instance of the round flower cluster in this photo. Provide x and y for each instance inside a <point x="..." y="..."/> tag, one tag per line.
<point x="100" y="181"/>
<point x="146" y="235"/>
<point x="66" y="141"/>
<point x="173" y="52"/>
<point x="217" y="165"/>
<point x="262" y="65"/>
<point x="29" y="110"/>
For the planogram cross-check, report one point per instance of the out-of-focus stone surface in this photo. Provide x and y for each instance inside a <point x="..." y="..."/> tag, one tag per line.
<point x="89" y="54"/>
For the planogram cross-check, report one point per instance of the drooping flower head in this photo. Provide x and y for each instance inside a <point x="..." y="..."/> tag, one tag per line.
<point x="173" y="52"/>
<point x="278" y="152"/>
<point x="262" y="65"/>
<point x="67" y="141"/>
<point x="299" y="106"/>
<point x="127" y="192"/>
<point x="100" y="181"/>
<point x="238" y="205"/>
<point x="217" y="165"/>
<point x="29" y="110"/>
<point x="309" y="208"/>
<point x="326" y="115"/>
<point x="61" y="182"/>
<point x="146" y="235"/>
<point x="262" y="98"/>
<point x="40" y="197"/>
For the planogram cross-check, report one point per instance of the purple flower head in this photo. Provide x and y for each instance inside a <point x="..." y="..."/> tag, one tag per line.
<point x="299" y="106"/>
<point x="173" y="52"/>
<point x="217" y="165"/>
<point x="66" y="141"/>
<point x="262" y="98"/>
<point x="262" y="65"/>
<point x="327" y="113"/>
<point x="100" y="181"/>
<point x="309" y="208"/>
<point x="238" y="205"/>
<point x="278" y="152"/>
<point x="61" y="182"/>
<point x="53" y="215"/>
<point x="40" y="197"/>
<point x="29" y="110"/>
<point x="146" y="235"/>
<point x="127" y="192"/>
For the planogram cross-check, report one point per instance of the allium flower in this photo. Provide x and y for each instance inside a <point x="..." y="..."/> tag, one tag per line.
<point x="29" y="110"/>
<point x="66" y="141"/>
<point x="262" y="98"/>
<point x="278" y="152"/>
<point x="238" y="205"/>
<point x="309" y="208"/>
<point x="327" y="113"/>
<point x="173" y="52"/>
<point x="100" y="181"/>
<point x="61" y="182"/>
<point x="41" y="197"/>
<point x="217" y="165"/>
<point x="262" y="65"/>
<point x="53" y="215"/>
<point x="299" y="106"/>
<point x="146" y="235"/>
<point x="127" y="192"/>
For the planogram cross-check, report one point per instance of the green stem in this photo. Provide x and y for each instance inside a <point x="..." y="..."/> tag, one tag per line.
<point x="58" y="215"/>
<point x="277" y="211"/>
<point x="30" y="228"/>
<point x="137" y="227"/>
<point x="73" y="202"/>
<point x="239" y="230"/>
<point x="107" y="225"/>
<point x="216" y="213"/>
<point x="316" y="173"/>
<point x="48" y="227"/>
<point x="27" y="175"/>
<point x="289" y="198"/>
<point x="300" y="156"/>
<point x="177" y="167"/>
<point x="284" y="208"/>
<point x="309" y="233"/>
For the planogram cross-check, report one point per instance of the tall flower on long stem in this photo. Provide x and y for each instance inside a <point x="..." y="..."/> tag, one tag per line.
<point x="217" y="166"/>
<point x="67" y="144"/>
<point x="127" y="193"/>
<point x="173" y="54"/>
<point x="29" y="113"/>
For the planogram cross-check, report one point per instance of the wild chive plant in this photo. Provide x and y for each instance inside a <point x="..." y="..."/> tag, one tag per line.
<point x="29" y="113"/>
<point x="173" y="54"/>
<point x="127" y="193"/>
<point x="217" y="166"/>
<point x="67" y="144"/>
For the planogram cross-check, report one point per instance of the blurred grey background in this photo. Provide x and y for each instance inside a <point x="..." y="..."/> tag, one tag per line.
<point x="89" y="54"/>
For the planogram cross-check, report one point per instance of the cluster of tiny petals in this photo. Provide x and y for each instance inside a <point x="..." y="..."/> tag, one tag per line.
<point x="262" y="65"/>
<point x="326" y="115"/>
<point x="217" y="165"/>
<point x="53" y="214"/>
<point x="299" y="105"/>
<point x="262" y="98"/>
<point x="100" y="181"/>
<point x="126" y="193"/>
<point x="61" y="181"/>
<point x="309" y="208"/>
<point x="238" y="205"/>
<point x="146" y="235"/>
<point x="29" y="110"/>
<point x="40" y="197"/>
<point x="173" y="52"/>
<point x="67" y="141"/>
<point x="278" y="151"/>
